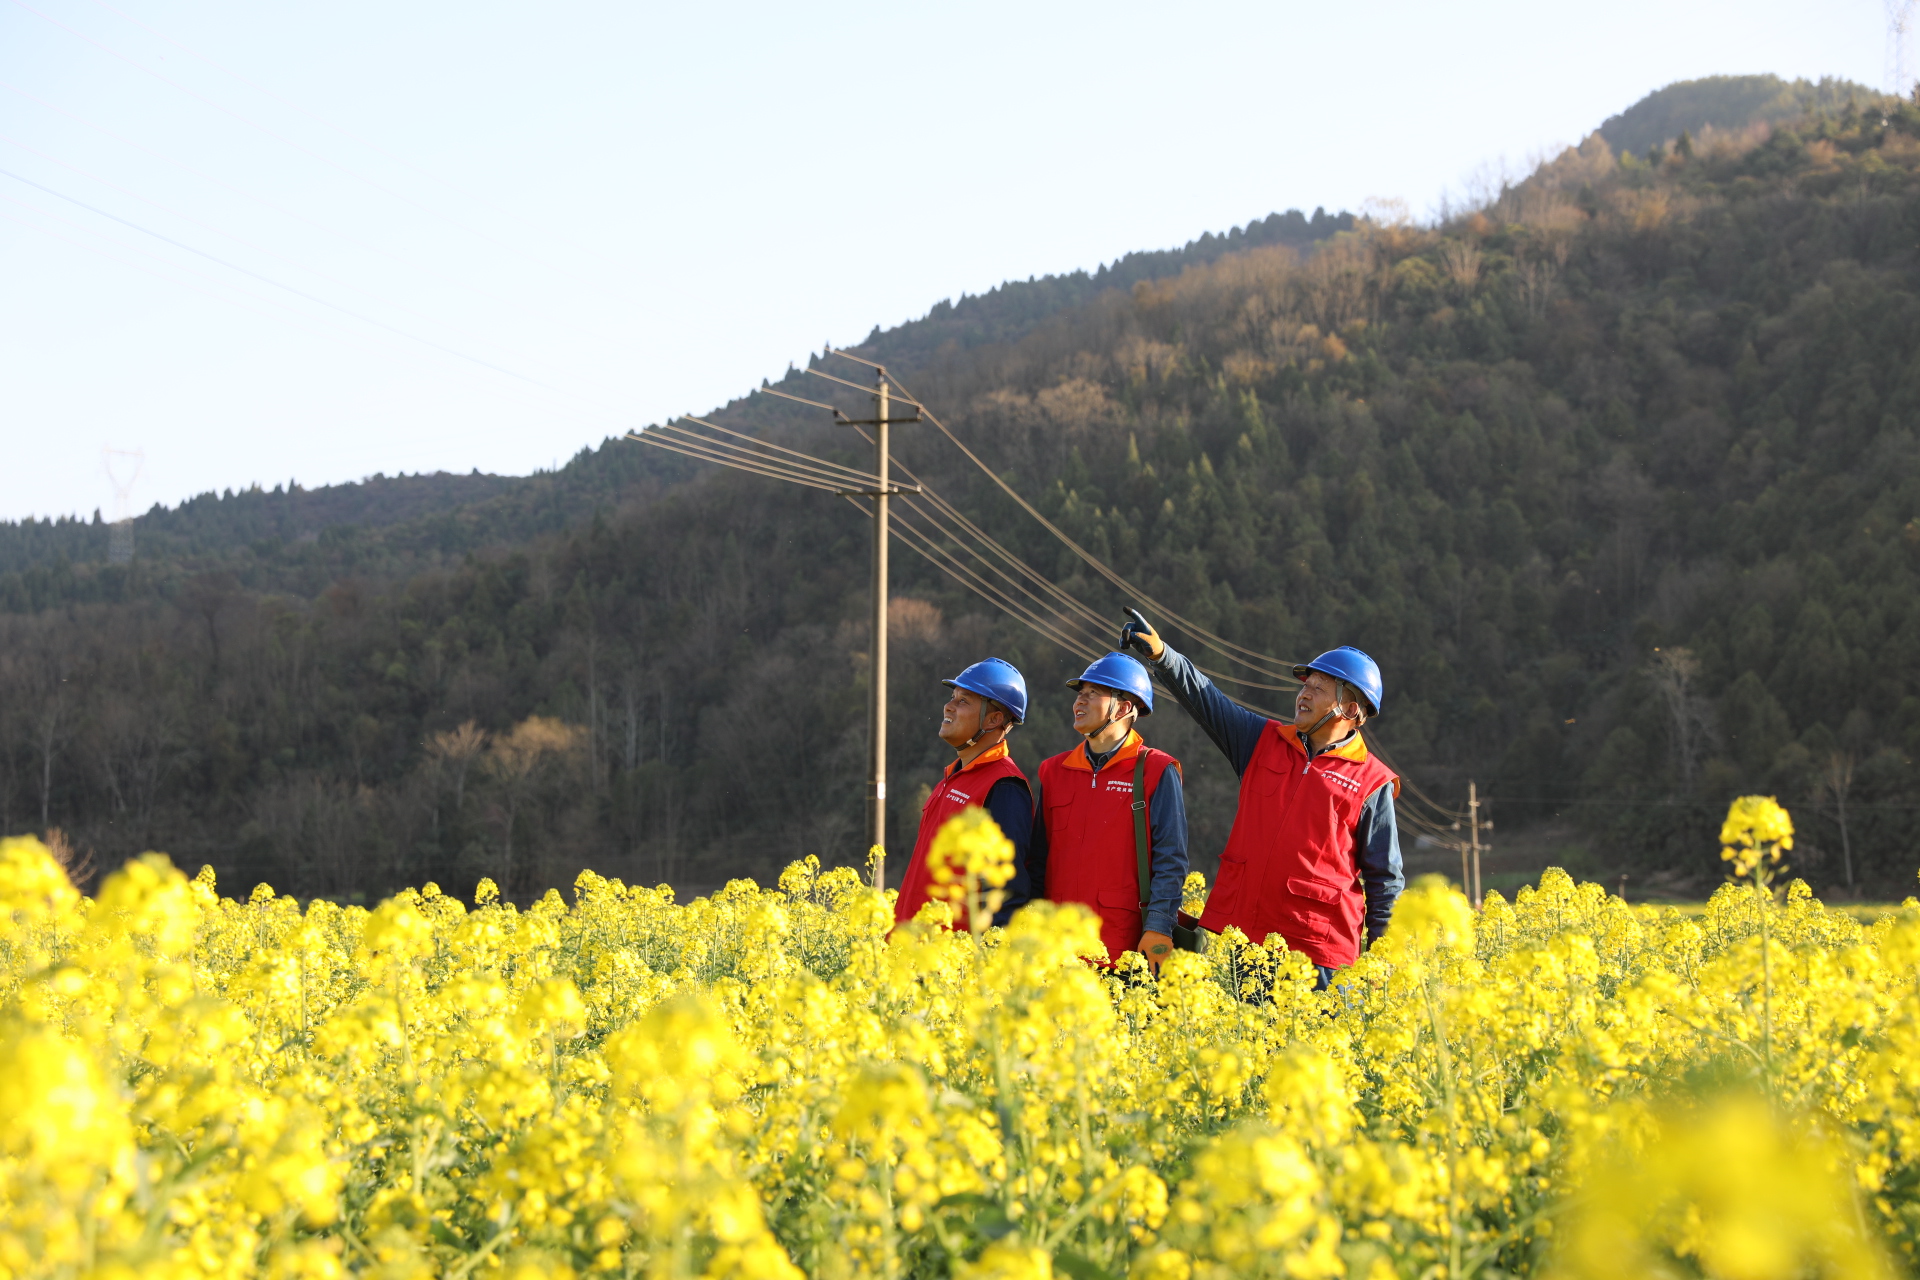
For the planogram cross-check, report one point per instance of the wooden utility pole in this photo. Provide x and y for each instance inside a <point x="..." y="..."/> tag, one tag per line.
<point x="882" y="491"/>
<point x="877" y="711"/>
<point x="810" y="472"/>
<point x="1473" y="814"/>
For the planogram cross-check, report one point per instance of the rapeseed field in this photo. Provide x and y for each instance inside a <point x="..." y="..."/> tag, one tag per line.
<point x="761" y="1084"/>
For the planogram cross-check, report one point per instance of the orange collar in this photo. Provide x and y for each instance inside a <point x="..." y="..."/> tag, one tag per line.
<point x="994" y="752"/>
<point x="1354" y="748"/>
<point x="1130" y="746"/>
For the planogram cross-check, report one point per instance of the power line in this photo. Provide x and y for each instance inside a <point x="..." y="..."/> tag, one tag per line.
<point x="298" y="293"/>
<point x="981" y="587"/>
<point x="1075" y="629"/>
<point x="826" y="474"/>
<point x="1254" y="659"/>
<point x="1416" y="796"/>
<point x="861" y="477"/>
<point x="223" y="292"/>
<point x="1064" y="624"/>
<point x="112" y="257"/>
<point x="1084" y="637"/>
<point x="653" y="437"/>
<point x="184" y="167"/>
<point x="1072" y="603"/>
<point x="288" y="142"/>
<point x="74" y="168"/>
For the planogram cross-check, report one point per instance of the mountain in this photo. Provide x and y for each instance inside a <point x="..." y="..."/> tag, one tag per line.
<point x="496" y="509"/>
<point x="1726" y="103"/>
<point x="1616" y="476"/>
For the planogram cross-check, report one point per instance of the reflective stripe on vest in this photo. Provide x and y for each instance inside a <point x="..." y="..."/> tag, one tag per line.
<point x="1290" y="866"/>
<point x="956" y="790"/>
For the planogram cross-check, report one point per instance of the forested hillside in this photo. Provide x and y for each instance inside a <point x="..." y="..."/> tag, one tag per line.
<point x="1617" y="476"/>
<point x="1726" y="102"/>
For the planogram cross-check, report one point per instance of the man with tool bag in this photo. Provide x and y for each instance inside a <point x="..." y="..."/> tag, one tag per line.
<point x="1314" y="853"/>
<point x="1110" y="819"/>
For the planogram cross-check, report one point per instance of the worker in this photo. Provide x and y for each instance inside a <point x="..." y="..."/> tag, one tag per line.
<point x="1314" y="853"/>
<point x="989" y="698"/>
<point x="1085" y="840"/>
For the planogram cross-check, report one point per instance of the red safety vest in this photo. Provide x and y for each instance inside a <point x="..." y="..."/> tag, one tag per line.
<point x="1290" y="866"/>
<point x="957" y="789"/>
<point x="1090" y="841"/>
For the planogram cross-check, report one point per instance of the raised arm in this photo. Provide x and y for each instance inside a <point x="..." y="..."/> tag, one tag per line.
<point x="1233" y="728"/>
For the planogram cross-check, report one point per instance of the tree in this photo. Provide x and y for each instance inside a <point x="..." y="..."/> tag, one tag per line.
<point x="518" y="761"/>
<point x="1837" y="780"/>
<point x="1673" y="672"/>
<point x="455" y="750"/>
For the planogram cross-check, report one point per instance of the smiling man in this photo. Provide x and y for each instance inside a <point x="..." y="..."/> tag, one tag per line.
<point x="1314" y="854"/>
<point x="1087" y="829"/>
<point x="989" y="698"/>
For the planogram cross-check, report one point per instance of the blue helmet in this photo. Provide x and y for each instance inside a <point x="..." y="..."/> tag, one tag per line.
<point x="1349" y="664"/>
<point x="998" y="679"/>
<point x="1123" y="674"/>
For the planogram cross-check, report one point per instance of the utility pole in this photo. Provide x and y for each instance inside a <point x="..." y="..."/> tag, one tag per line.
<point x="776" y="461"/>
<point x="1473" y="814"/>
<point x="877" y="712"/>
<point x="1471" y="848"/>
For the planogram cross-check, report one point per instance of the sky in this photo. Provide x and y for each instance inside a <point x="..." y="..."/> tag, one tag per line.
<point x="260" y="242"/>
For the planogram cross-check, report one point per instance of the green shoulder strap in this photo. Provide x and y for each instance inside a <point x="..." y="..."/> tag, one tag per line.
<point x="1142" y="854"/>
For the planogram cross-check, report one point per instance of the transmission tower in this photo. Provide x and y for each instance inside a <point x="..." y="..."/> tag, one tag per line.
<point x="1899" y="51"/>
<point x="123" y="467"/>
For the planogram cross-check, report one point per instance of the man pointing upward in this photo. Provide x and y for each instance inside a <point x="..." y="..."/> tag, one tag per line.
<point x="1314" y="854"/>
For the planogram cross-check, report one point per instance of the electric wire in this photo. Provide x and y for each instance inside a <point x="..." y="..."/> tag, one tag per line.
<point x="205" y="226"/>
<point x="842" y="381"/>
<point x="926" y="551"/>
<point x="1417" y="797"/>
<point x="288" y="142"/>
<point x="112" y="257"/>
<point x="268" y="280"/>
<point x="1067" y="623"/>
<point x="980" y="586"/>
<point x="863" y="477"/>
<point x="727" y="448"/>
<point x="926" y="547"/>
<point x="730" y="455"/>
<point x="710" y="450"/>
<point x="262" y="201"/>
<point x="1082" y="641"/>
<point x="1073" y="603"/>
<point x="229" y="293"/>
<point x="1225" y="647"/>
<point x="788" y="395"/>
<point x="1069" y="631"/>
<point x="1074" y="606"/>
<point x="674" y="446"/>
<point x="1253" y="659"/>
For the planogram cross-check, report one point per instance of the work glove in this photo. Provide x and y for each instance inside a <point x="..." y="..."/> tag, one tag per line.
<point x="1155" y="947"/>
<point x="1140" y="636"/>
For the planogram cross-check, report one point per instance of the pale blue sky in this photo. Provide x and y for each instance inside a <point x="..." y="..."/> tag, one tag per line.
<point x="522" y="228"/>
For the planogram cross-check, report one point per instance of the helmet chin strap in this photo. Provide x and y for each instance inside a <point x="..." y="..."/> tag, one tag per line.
<point x="1108" y="723"/>
<point x="979" y="728"/>
<point x="1333" y="713"/>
